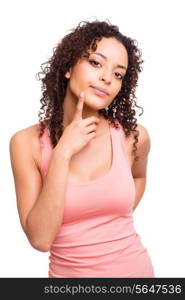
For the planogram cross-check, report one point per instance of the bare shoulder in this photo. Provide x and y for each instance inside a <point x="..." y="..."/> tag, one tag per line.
<point x="144" y="141"/>
<point x="25" y="133"/>
<point x="26" y="140"/>
<point x="139" y="167"/>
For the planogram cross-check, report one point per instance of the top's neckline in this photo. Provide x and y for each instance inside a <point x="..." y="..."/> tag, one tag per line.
<point x="101" y="178"/>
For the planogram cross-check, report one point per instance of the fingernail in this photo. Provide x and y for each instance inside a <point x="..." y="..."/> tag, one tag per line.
<point x="81" y="94"/>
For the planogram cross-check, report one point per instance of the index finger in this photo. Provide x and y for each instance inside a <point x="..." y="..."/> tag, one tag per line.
<point x="79" y="106"/>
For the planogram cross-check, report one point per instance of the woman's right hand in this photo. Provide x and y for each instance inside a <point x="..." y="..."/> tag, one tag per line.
<point x="80" y="131"/>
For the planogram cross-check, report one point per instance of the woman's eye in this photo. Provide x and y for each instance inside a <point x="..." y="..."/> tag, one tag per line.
<point x="121" y="77"/>
<point x="92" y="61"/>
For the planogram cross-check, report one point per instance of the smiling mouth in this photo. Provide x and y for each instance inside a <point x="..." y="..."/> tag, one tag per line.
<point x="99" y="92"/>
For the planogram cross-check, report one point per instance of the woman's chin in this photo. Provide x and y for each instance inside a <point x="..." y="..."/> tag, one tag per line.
<point x="95" y="102"/>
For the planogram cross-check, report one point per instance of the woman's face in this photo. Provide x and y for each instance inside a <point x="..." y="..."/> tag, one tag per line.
<point x="105" y="68"/>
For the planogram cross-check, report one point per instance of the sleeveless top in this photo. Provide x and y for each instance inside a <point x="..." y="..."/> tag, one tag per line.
<point x="97" y="237"/>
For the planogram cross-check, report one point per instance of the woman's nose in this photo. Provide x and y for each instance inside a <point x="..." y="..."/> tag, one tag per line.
<point x="106" y="77"/>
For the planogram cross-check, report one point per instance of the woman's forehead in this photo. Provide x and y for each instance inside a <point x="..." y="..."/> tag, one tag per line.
<point x="111" y="48"/>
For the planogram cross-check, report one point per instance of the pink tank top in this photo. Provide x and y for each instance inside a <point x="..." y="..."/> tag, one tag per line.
<point x="97" y="237"/>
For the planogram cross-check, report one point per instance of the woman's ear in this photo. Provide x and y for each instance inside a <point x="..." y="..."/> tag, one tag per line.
<point x="67" y="74"/>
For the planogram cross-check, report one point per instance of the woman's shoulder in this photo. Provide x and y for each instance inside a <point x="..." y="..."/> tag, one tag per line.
<point x="27" y="135"/>
<point x="143" y="133"/>
<point x="144" y="140"/>
<point x="27" y="140"/>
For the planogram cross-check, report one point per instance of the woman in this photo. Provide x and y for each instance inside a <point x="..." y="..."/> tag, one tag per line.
<point x="77" y="176"/>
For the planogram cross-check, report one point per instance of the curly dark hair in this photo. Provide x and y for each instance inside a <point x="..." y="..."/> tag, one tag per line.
<point x="65" y="55"/>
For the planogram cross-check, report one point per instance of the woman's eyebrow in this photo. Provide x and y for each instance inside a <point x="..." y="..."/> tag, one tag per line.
<point x="102" y="55"/>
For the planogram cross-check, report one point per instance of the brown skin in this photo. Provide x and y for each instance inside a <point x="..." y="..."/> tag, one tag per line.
<point x="26" y="167"/>
<point x="102" y="73"/>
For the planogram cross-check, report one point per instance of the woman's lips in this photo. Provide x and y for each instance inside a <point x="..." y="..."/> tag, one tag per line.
<point x="98" y="92"/>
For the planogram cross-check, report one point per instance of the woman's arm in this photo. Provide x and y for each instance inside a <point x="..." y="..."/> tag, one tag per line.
<point x="139" y="168"/>
<point x="40" y="206"/>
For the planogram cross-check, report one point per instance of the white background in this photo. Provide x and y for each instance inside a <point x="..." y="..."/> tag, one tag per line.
<point x="29" y="31"/>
